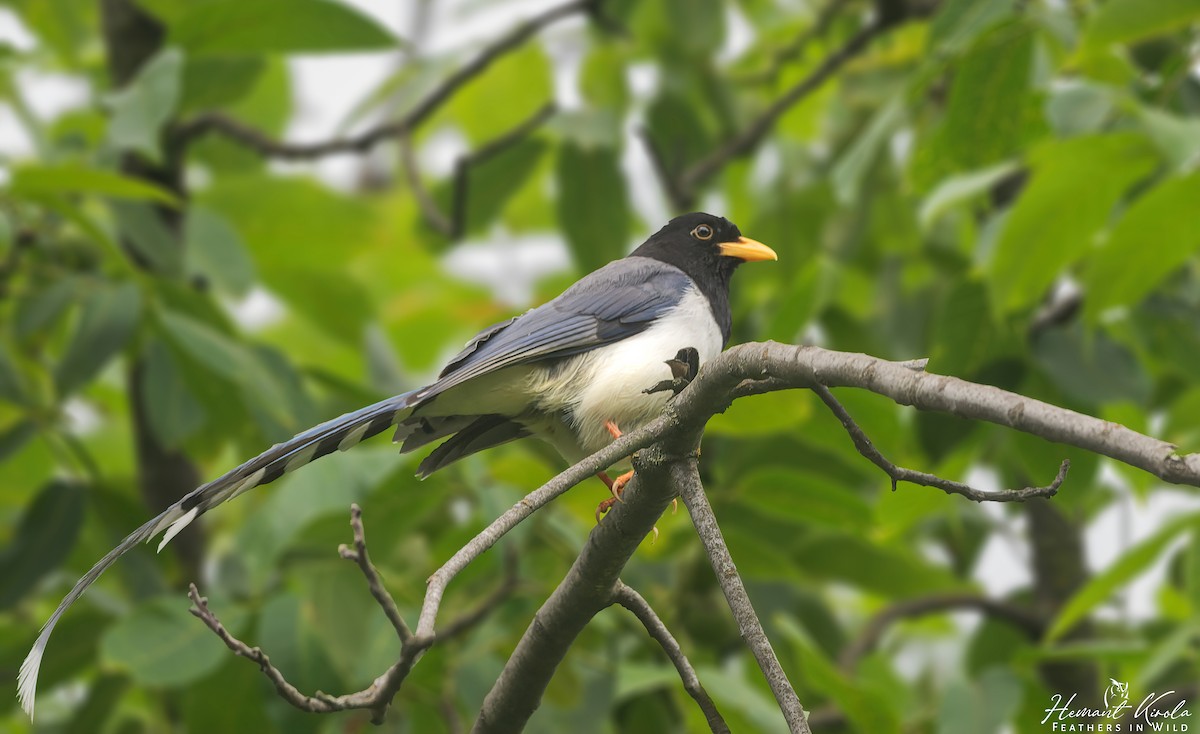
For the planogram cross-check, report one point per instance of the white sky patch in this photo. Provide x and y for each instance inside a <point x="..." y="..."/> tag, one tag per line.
<point x="1128" y="521"/>
<point x="509" y="266"/>
<point x="258" y="310"/>
<point x="739" y="35"/>
<point x="81" y="416"/>
<point x="14" y="33"/>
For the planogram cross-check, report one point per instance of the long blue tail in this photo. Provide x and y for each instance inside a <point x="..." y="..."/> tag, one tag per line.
<point x="338" y="434"/>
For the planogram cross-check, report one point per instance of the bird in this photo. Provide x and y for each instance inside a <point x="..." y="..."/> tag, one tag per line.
<point x="573" y="372"/>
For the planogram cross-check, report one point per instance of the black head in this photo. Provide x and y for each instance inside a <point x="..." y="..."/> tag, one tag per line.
<point x="708" y="249"/>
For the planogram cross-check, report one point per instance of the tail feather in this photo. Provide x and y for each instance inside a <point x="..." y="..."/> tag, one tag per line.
<point x="338" y="434"/>
<point x="484" y="432"/>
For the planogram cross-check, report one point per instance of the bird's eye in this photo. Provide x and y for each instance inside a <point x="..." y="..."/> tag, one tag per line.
<point x="703" y="232"/>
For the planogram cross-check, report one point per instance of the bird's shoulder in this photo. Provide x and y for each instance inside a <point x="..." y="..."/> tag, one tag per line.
<point x="630" y="291"/>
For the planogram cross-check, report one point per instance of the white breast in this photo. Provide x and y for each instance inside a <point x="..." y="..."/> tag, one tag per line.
<point x="607" y="383"/>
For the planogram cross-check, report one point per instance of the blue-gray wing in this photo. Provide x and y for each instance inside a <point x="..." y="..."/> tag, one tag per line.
<point x="613" y="303"/>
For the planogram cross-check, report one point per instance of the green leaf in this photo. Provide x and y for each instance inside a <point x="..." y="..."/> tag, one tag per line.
<point x="1123" y="272"/>
<point x="285" y="630"/>
<point x="292" y="222"/>
<point x="602" y="79"/>
<point x="51" y="180"/>
<point x="214" y="251"/>
<point x="593" y="207"/>
<point x="148" y="235"/>
<point x="143" y="107"/>
<point x="506" y="94"/>
<point x="14" y="437"/>
<point x="264" y="390"/>
<point x="228" y="27"/>
<point x="867" y="709"/>
<point x="1075" y="108"/>
<point x="37" y="310"/>
<point x="962" y="188"/>
<point x="12" y="383"/>
<point x="1177" y="138"/>
<point x="243" y="707"/>
<point x="850" y="170"/>
<point x="991" y="113"/>
<point x="980" y="706"/>
<point x="804" y="498"/>
<point x="1038" y="240"/>
<point x="962" y="331"/>
<point x="959" y="22"/>
<point x="492" y="183"/>
<point x="173" y="412"/>
<point x="1122" y="21"/>
<point x="763" y="415"/>
<point x="109" y="316"/>
<point x="44" y="537"/>
<point x="343" y="308"/>
<point x="161" y="645"/>
<point x="219" y="81"/>
<point x="1132" y="563"/>
<point x="1091" y="367"/>
<point x="888" y="571"/>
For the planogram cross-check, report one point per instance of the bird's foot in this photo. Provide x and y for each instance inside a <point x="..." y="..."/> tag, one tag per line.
<point x="684" y="368"/>
<point x="617" y="487"/>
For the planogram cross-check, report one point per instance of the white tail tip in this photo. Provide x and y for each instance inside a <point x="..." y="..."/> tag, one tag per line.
<point x="27" y="679"/>
<point x="177" y="527"/>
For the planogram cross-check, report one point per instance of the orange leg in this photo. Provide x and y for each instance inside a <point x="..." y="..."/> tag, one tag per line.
<point x="616" y="486"/>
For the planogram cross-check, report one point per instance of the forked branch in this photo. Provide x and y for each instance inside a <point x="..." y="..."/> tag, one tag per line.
<point x="666" y="464"/>
<point x="378" y="696"/>
<point x="266" y="145"/>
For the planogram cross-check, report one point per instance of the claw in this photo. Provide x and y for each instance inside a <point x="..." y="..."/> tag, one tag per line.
<point x="617" y="486"/>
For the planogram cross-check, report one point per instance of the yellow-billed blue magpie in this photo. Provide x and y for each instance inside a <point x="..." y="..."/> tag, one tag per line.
<point x="569" y="372"/>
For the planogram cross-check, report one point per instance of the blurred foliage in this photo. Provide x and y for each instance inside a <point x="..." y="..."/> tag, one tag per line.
<point x="1009" y="188"/>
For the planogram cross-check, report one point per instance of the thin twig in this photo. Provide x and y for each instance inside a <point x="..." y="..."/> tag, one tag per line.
<point x="687" y="481"/>
<point x="900" y="474"/>
<point x="666" y="175"/>
<point x="266" y="145"/>
<point x="535" y="500"/>
<point x="358" y="554"/>
<point x="428" y="207"/>
<point x="464" y="165"/>
<point x="796" y="47"/>
<point x="375" y="697"/>
<point x="869" y="638"/>
<point x="750" y="136"/>
<point x="635" y="603"/>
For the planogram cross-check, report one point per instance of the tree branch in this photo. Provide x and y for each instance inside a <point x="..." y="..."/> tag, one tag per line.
<point x="666" y="466"/>
<point x="805" y="366"/>
<point x="900" y="474"/>
<point x="378" y="696"/>
<point x="1019" y="616"/>
<point x="692" y="177"/>
<point x="455" y="225"/>
<point x="265" y="145"/>
<point x="359" y="555"/>
<point x="687" y="479"/>
<point x="796" y="47"/>
<point x="635" y="603"/>
<point x="587" y="588"/>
